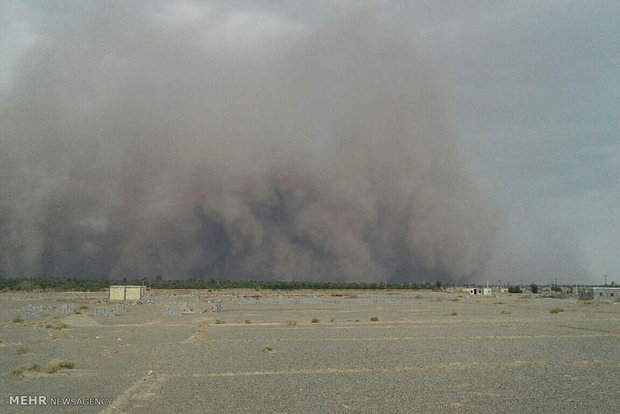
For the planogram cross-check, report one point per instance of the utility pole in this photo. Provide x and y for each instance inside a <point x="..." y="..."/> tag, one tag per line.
<point x="605" y="280"/>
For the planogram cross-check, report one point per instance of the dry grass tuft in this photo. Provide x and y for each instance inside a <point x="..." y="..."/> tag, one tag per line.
<point x="84" y="307"/>
<point x="332" y="320"/>
<point x="219" y="322"/>
<point x="418" y="297"/>
<point x="314" y="320"/>
<point x="506" y="312"/>
<point x="291" y="323"/>
<point x="56" y="326"/>
<point x="23" y="368"/>
<point x="267" y="349"/>
<point x="498" y="303"/>
<point x="455" y="300"/>
<point x="556" y="310"/>
<point x="374" y="319"/>
<point x="56" y="365"/>
<point x="19" y="319"/>
<point x="247" y="321"/>
<point x="22" y="350"/>
<point x="453" y="314"/>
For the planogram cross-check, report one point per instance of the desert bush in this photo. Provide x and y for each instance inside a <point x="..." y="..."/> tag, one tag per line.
<point x="267" y="349"/>
<point x="219" y="322"/>
<point x="247" y="321"/>
<point x="23" y="368"/>
<point x="514" y="289"/>
<point x="291" y="323"/>
<point x="556" y="310"/>
<point x="534" y="288"/>
<point x="56" y="365"/>
<point x="332" y="320"/>
<point x="84" y="307"/>
<point x="506" y="312"/>
<point x="57" y="326"/>
<point x="374" y="319"/>
<point x="453" y="314"/>
<point x="315" y="320"/>
<point x="22" y="350"/>
<point x="19" y="319"/>
<point x="498" y="303"/>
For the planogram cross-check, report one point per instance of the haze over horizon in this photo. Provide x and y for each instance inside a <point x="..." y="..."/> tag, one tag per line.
<point x="382" y="141"/>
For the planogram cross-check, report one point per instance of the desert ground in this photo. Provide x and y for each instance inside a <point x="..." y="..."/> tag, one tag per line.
<point x="311" y="351"/>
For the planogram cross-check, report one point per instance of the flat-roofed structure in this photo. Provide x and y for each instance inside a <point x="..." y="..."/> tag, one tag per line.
<point x="122" y="292"/>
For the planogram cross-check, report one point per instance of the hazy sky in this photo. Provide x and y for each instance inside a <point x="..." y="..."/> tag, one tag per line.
<point x="531" y="90"/>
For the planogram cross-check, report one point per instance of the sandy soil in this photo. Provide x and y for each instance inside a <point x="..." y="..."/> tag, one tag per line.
<point x="428" y="352"/>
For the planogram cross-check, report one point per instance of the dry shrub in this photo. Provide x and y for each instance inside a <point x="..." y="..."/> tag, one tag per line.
<point x="498" y="303"/>
<point x="315" y="320"/>
<point x="374" y="319"/>
<point x="267" y="349"/>
<point x="57" y="326"/>
<point x="291" y="323"/>
<point x="23" y="368"/>
<point x="22" y="350"/>
<point x="247" y="321"/>
<point x="56" y="365"/>
<point x="506" y="312"/>
<point x="19" y="319"/>
<point x="219" y="322"/>
<point x="556" y="310"/>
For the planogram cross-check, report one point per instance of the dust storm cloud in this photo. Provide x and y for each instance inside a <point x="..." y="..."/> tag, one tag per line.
<point x="136" y="146"/>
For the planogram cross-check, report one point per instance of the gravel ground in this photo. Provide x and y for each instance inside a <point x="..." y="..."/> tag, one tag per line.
<point x="428" y="352"/>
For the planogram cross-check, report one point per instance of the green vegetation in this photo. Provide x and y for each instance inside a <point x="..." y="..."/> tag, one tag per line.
<point x="514" y="289"/>
<point x="556" y="288"/>
<point x="534" y="288"/>
<point x="89" y="285"/>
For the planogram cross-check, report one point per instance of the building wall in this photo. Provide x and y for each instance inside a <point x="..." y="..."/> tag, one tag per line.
<point x="606" y="293"/>
<point x="127" y="292"/>
<point x="133" y="292"/>
<point x="117" y="292"/>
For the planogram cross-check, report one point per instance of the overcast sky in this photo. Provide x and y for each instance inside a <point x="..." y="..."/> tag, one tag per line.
<point x="532" y="87"/>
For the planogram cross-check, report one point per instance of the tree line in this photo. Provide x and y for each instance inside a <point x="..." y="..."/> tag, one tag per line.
<point x="90" y="285"/>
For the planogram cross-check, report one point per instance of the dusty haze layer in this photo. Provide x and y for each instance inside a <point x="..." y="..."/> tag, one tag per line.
<point x="136" y="147"/>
